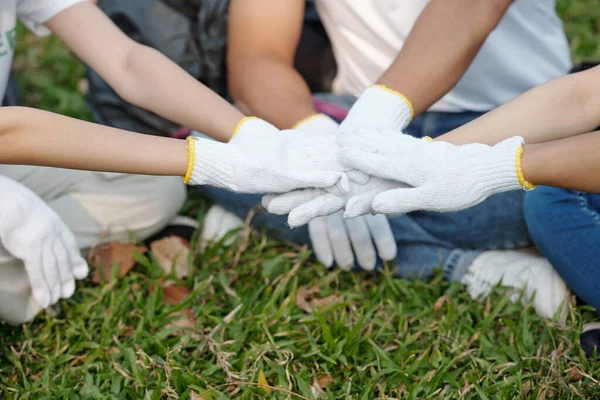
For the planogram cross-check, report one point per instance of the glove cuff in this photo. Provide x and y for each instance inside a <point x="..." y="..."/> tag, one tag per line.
<point x="380" y="107"/>
<point x="211" y="163"/>
<point x="318" y="124"/>
<point x="500" y="170"/>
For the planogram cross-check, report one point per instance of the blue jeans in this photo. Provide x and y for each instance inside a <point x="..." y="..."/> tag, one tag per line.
<point x="565" y="226"/>
<point x="426" y="240"/>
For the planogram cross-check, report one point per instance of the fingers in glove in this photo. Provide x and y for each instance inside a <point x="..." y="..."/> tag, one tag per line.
<point x="285" y="203"/>
<point x="358" y="177"/>
<point x="321" y="206"/>
<point x="40" y="290"/>
<point x="403" y="201"/>
<point x="375" y="164"/>
<point x="80" y="265"/>
<point x="360" y="237"/>
<point x="319" y="238"/>
<point x="340" y="241"/>
<point x="360" y="205"/>
<point x="383" y="236"/>
<point x="51" y="273"/>
<point x="65" y="268"/>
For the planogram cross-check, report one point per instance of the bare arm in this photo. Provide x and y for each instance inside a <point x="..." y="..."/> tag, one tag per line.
<point x="570" y="163"/>
<point x="35" y="137"/>
<point x="263" y="37"/>
<point x="441" y="46"/>
<point x="561" y="108"/>
<point x="142" y="75"/>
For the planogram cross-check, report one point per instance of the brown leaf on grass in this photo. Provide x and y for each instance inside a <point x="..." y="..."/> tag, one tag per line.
<point x="172" y="252"/>
<point x="439" y="303"/>
<point x="102" y="259"/>
<point x="325" y="301"/>
<point x="186" y="320"/>
<point x="325" y="381"/>
<point x="173" y="294"/>
<point x="128" y="332"/>
<point x="306" y="301"/>
<point x="304" y="296"/>
<point x="575" y="374"/>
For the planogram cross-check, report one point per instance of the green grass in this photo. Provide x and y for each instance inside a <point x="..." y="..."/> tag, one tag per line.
<point x="381" y="338"/>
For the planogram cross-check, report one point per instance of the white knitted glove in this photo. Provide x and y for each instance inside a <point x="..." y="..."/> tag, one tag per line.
<point x="332" y="237"/>
<point x="443" y="177"/>
<point x="379" y="108"/>
<point x="32" y="232"/>
<point x="306" y="204"/>
<point x="262" y="159"/>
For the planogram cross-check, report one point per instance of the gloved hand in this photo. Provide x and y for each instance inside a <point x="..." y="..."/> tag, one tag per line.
<point x="306" y="204"/>
<point x="379" y="108"/>
<point x="32" y="232"/>
<point x="443" y="177"/>
<point x="262" y="159"/>
<point x="332" y="236"/>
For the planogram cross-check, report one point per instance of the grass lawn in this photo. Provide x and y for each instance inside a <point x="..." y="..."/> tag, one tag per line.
<point x="253" y="314"/>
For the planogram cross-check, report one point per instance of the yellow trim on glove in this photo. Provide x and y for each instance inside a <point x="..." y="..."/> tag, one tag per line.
<point x="191" y="153"/>
<point x="239" y="124"/>
<point x="403" y="97"/>
<point x="519" y="165"/>
<point x="428" y="139"/>
<point x="305" y="120"/>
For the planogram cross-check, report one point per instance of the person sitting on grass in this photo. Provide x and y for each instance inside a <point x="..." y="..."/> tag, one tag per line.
<point x="547" y="138"/>
<point x="449" y="60"/>
<point x="39" y="258"/>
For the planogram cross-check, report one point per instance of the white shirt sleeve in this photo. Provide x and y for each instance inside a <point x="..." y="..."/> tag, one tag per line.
<point x="35" y="13"/>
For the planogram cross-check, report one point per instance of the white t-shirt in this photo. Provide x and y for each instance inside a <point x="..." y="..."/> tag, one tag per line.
<point x="33" y="13"/>
<point x="527" y="48"/>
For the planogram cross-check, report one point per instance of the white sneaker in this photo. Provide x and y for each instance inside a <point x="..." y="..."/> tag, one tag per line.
<point x="524" y="270"/>
<point x="217" y="223"/>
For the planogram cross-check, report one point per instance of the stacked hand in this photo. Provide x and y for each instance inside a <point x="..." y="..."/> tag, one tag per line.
<point x="334" y="238"/>
<point x="32" y="232"/>
<point x="405" y="174"/>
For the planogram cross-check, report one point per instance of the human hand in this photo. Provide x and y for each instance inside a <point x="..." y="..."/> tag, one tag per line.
<point x="32" y="232"/>
<point x="262" y="159"/>
<point x="441" y="176"/>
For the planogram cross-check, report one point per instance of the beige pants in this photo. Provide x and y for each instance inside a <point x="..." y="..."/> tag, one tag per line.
<point x="97" y="207"/>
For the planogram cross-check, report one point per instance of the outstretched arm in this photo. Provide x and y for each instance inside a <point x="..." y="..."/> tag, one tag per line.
<point x="448" y="30"/>
<point x="142" y="75"/>
<point x="561" y="108"/>
<point x="34" y="137"/>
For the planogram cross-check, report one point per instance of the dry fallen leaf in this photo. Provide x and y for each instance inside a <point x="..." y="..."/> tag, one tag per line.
<point x="306" y="301"/>
<point x="172" y="252"/>
<point x="187" y="320"/>
<point x="173" y="294"/>
<point x="439" y="303"/>
<point x="102" y="259"/>
<point x="325" y="301"/>
<point x="575" y="374"/>
<point x="325" y="381"/>
<point x="262" y="382"/>
<point x="304" y="296"/>
<point x="128" y="332"/>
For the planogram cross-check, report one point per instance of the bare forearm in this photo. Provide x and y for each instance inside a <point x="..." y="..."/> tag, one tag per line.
<point x="270" y="89"/>
<point x="142" y="75"/>
<point x="157" y="84"/>
<point x="35" y="137"/>
<point x="558" y="109"/>
<point x="571" y="163"/>
<point x="440" y="48"/>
